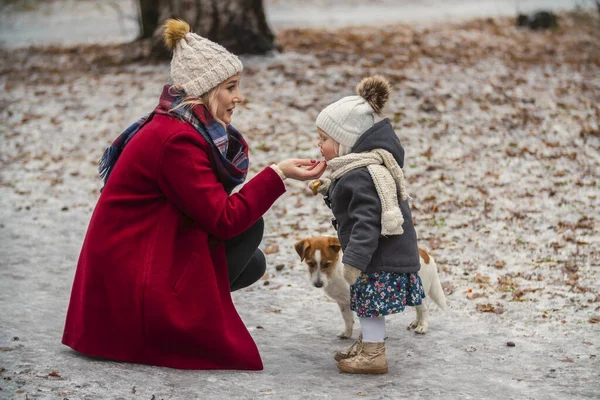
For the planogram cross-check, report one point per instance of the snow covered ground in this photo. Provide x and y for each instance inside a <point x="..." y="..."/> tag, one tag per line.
<point x="502" y="137"/>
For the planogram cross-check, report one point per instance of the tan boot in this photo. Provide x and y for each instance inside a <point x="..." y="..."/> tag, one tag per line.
<point x="350" y="351"/>
<point x="370" y="360"/>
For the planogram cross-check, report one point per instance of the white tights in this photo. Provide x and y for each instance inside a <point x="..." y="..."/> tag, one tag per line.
<point x="373" y="329"/>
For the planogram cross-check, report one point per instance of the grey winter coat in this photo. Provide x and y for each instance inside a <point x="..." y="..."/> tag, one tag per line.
<point x="357" y="209"/>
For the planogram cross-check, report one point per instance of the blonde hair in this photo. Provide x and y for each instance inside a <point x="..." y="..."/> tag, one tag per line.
<point x="208" y="100"/>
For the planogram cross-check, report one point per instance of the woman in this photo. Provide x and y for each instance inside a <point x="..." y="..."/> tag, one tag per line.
<point x="167" y="240"/>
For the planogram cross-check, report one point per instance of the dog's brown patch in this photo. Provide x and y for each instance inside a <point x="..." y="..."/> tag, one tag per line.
<point x="424" y="255"/>
<point x="329" y="248"/>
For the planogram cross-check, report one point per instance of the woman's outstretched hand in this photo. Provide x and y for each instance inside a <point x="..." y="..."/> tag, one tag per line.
<point x="302" y="170"/>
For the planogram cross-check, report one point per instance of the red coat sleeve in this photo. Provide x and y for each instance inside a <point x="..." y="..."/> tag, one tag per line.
<point x="188" y="180"/>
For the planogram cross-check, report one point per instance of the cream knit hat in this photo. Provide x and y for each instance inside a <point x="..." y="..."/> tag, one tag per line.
<point x="346" y="119"/>
<point x="198" y="64"/>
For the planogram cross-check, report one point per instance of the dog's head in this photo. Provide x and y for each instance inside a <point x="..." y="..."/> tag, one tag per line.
<point x="321" y="254"/>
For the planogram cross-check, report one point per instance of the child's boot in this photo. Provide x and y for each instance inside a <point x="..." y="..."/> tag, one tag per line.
<point x="350" y="351"/>
<point x="369" y="360"/>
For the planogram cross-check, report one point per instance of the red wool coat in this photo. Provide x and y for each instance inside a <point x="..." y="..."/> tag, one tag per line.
<point x="151" y="284"/>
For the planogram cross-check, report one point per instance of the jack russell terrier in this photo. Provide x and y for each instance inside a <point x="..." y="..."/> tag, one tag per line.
<point x="323" y="255"/>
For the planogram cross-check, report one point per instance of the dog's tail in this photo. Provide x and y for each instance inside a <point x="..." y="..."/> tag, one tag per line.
<point x="433" y="287"/>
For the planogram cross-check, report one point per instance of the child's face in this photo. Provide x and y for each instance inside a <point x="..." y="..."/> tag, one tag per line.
<point x="327" y="145"/>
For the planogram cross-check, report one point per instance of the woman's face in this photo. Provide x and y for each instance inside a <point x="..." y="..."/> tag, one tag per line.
<point x="227" y="96"/>
<point x="326" y="145"/>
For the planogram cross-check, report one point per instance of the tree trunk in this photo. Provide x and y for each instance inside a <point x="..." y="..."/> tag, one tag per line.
<point x="148" y="17"/>
<point x="238" y="25"/>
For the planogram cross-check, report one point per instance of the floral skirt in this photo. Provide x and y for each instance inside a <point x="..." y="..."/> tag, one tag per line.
<point x="377" y="294"/>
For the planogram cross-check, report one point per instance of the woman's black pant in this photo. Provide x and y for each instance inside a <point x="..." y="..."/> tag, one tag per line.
<point x="245" y="262"/>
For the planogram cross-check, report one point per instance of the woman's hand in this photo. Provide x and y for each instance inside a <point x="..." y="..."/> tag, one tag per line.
<point x="302" y="170"/>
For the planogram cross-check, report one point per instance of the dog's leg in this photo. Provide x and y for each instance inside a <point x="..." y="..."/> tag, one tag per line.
<point x="348" y="316"/>
<point x="420" y="325"/>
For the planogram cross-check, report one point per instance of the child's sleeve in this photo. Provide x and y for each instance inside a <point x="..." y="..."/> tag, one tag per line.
<point x="365" y="209"/>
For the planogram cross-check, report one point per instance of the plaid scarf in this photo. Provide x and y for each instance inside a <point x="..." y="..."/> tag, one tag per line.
<point x="229" y="150"/>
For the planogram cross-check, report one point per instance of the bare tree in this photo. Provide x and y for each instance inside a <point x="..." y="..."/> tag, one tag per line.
<point x="238" y="25"/>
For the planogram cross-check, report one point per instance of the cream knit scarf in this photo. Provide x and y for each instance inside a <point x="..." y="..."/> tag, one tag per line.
<point x="387" y="177"/>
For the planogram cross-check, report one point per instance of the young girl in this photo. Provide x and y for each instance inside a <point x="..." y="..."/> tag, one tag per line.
<point x="168" y="240"/>
<point x="364" y="187"/>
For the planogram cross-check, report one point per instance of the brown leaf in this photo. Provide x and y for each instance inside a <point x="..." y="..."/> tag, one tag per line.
<point x="568" y="359"/>
<point x="595" y="299"/>
<point x="271" y="249"/>
<point x="266" y="276"/>
<point x="499" y="264"/>
<point x="475" y="296"/>
<point x="55" y="374"/>
<point x="435" y="243"/>
<point x="487" y="307"/>
<point x="481" y="279"/>
<point x="594" y="320"/>
<point x="427" y="154"/>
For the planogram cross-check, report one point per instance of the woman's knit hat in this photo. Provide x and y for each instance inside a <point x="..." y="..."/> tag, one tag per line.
<point x="346" y="119"/>
<point x="198" y="64"/>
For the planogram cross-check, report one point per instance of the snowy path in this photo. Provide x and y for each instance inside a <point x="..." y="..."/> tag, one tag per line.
<point x="503" y="162"/>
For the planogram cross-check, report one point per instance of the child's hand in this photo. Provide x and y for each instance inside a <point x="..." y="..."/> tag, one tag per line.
<point x="297" y="169"/>
<point x="351" y="273"/>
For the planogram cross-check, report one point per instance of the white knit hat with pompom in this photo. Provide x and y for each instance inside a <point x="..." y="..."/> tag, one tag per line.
<point x="348" y="118"/>
<point x="198" y="64"/>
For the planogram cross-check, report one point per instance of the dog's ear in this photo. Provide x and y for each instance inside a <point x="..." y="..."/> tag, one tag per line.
<point x="334" y="244"/>
<point x="301" y="247"/>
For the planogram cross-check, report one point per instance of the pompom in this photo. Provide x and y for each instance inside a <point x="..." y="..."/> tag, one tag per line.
<point x="376" y="90"/>
<point x="175" y="30"/>
<point x="392" y="221"/>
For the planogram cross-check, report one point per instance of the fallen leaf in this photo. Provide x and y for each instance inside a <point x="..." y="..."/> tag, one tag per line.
<point x="481" y="278"/>
<point x="55" y="374"/>
<point x="271" y="249"/>
<point x="595" y="299"/>
<point x="568" y="359"/>
<point x="594" y="320"/>
<point x="475" y="296"/>
<point x="487" y="307"/>
<point x="435" y="243"/>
